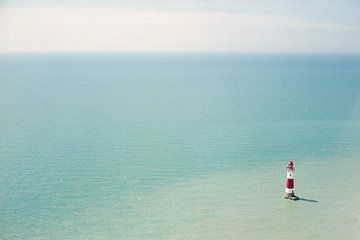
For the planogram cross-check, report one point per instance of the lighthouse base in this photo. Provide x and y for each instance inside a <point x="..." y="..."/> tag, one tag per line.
<point x="291" y="196"/>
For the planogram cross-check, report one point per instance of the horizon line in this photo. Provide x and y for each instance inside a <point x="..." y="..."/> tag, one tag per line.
<point x="179" y="52"/>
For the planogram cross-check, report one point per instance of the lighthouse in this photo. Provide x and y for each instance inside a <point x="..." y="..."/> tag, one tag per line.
<point x="289" y="189"/>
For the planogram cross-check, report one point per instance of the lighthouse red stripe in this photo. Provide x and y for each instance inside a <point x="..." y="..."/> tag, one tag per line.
<point x="290" y="183"/>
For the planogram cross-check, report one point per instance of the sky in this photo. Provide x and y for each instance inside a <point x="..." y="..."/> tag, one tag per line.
<point x="271" y="26"/>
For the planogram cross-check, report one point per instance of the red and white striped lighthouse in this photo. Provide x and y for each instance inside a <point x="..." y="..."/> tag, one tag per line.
<point x="289" y="190"/>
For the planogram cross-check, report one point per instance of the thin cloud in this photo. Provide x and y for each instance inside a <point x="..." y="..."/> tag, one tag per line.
<point x="107" y="29"/>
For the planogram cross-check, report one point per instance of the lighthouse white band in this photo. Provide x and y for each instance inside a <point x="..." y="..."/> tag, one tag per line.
<point x="290" y="175"/>
<point x="289" y="190"/>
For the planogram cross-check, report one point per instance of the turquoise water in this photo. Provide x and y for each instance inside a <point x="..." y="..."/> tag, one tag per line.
<point x="178" y="146"/>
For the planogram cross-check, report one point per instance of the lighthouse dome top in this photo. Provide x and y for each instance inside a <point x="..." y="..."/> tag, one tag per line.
<point x="290" y="165"/>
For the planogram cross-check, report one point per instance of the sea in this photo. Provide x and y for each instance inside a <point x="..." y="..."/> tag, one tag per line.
<point x="152" y="146"/>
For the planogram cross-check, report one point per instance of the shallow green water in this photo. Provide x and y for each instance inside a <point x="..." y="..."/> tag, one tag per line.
<point x="178" y="146"/>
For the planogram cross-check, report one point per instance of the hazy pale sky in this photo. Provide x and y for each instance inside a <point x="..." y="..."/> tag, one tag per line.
<point x="180" y="26"/>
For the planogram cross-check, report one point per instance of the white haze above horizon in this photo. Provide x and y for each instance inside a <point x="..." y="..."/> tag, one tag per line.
<point x="113" y="28"/>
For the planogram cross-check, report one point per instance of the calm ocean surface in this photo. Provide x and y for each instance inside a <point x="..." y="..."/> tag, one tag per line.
<point x="178" y="146"/>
